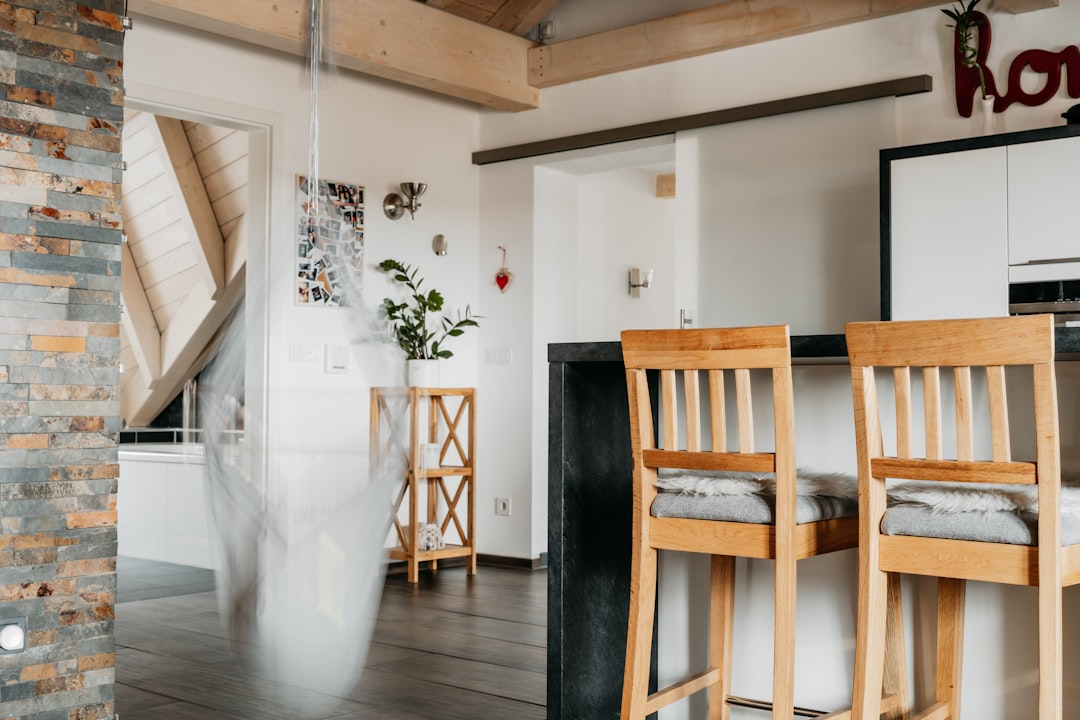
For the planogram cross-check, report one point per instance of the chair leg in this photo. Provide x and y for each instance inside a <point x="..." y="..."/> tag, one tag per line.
<point x="870" y="631"/>
<point x="784" y="593"/>
<point x="721" y="623"/>
<point x="639" y="633"/>
<point x="1050" y="652"/>
<point x="950" y="642"/>
<point x="894" y="681"/>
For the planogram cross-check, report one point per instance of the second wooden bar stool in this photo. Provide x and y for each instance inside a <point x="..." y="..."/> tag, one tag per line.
<point x="971" y="510"/>
<point x="752" y="507"/>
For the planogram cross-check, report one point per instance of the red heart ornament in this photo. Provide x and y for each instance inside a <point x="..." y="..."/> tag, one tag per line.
<point x="503" y="278"/>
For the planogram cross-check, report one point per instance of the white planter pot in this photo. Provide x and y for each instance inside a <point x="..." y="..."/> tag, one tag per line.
<point x="423" y="373"/>
<point x="987" y="115"/>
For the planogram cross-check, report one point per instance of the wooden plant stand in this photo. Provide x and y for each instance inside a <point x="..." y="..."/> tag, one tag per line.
<point x="445" y="417"/>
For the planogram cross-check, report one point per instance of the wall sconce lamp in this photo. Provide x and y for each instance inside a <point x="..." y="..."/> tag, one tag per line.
<point x="395" y="205"/>
<point x="639" y="280"/>
<point x="439" y="245"/>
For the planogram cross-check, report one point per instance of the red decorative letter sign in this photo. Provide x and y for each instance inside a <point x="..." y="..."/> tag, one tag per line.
<point x="1044" y="62"/>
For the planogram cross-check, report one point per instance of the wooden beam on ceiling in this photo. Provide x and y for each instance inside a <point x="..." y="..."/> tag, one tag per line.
<point x="197" y="214"/>
<point x="470" y="11"/>
<point x="512" y="16"/>
<point x="698" y="32"/>
<point x="138" y="320"/>
<point x="400" y="40"/>
<point x="519" y="16"/>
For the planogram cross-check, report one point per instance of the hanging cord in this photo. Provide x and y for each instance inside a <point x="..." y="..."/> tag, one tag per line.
<point x="313" y="100"/>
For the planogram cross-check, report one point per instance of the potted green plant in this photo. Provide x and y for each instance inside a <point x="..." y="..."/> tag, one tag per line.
<point x="414" y="325"/>
<point x="965" y="20"/>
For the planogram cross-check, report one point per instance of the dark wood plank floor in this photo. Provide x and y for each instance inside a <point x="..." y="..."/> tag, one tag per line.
<point x="452" y="648"/>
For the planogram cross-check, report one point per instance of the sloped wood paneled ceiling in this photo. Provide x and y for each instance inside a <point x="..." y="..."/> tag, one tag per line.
<point x="473" y="49"/>
<point x="184" y="208"/>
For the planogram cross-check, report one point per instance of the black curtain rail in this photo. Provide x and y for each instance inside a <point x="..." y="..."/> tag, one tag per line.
<point x="913" y="85"/>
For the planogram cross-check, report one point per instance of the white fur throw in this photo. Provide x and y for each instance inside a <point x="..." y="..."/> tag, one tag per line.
<point x="705" y="482"/>
<point x="429" y="537"/>
<point x="938" y="496"/>
<point x="965" y="497"/>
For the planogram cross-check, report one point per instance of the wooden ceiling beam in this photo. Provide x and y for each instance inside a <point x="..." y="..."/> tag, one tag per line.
<point x="465" y="10"/>
<point x="138" y="320"/>
<point x="519" y="16"/>
<point x="188" y="189"/>
<point x="400" y="40"/>
<point x="699" y="32"/>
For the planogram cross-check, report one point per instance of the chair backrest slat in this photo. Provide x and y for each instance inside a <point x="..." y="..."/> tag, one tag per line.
<point x="999" y="413"/>
<point x="932" y="411"/>
<point x="902" y="391"/>
<point x="745" y="404"/>
<point x="669" y="410"/>
<point x="717" y="415"/>
<point x="692" y="391"/>
<point x="965" y="423"/>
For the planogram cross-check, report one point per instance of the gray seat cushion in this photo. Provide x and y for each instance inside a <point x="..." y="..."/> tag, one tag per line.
<point x="751" y="497"/>
<point x="1002" y="526"/>
<point x="750" y="508"/>
<point x="984" y="512"/>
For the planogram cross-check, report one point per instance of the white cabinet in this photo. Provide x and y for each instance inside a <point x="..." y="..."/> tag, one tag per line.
<point x="962" y="219"/>
<point x="1044" y="192"/>
<point x="949" y="241"/>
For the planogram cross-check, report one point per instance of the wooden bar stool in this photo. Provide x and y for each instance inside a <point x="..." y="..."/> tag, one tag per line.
<point x="926" y="533"/>
<point x="751" y="507"/>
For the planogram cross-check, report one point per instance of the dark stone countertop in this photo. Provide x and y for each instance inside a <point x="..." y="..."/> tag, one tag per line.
<point x="825" y="348"/>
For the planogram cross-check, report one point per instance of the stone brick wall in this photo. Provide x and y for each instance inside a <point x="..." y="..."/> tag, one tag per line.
<point x="61" y="111"/>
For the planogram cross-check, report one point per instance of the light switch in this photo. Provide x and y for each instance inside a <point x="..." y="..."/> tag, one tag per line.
<point x="498" y="356"/>
<point x="303" y="353"/>
<point x="336" y="359"/>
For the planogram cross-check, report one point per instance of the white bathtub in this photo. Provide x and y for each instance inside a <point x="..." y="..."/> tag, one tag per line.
<point x="161" y="504"/>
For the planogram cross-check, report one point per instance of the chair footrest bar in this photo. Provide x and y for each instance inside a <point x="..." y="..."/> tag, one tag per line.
<point x="689" y="686"/>
<point x="765" y="705"/>
<point x="888" y="704"/>
<point x="937" y="711"/>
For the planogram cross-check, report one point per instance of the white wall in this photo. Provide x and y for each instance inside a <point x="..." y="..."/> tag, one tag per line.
<point x="789" y="218"/>
<point x="821" y="283"/>
<point x="913" y="43"/>
<point x="622" y="224"/>
<point x="378" y="135"/>
<point x="374" y="134"/>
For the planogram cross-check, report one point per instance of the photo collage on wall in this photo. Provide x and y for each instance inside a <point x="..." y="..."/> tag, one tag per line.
<point x="330" y="243"/>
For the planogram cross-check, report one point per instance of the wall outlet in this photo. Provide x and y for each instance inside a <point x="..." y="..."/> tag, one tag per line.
<point x="499" y="356"/>
<point x="502" y="506"/>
